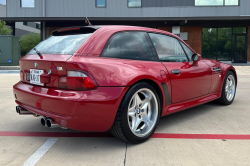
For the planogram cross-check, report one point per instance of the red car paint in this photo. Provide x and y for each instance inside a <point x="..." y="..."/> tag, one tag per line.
<point x="95" y="110"/>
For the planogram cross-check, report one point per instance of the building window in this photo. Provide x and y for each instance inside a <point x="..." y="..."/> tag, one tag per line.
<point x="38" y="26"/>
<point x="134" y="3"/>
<point x="216" y="2"/>
<point x="209" y="40"/>
<point x="218" y="43"/>
<point x="224" y="44"/>
<point x="25" y="23"/>
<point x="100" y="3"/>
<point x="27" y="3"/>
<point x="3" y="2"/>
<point x="231" y="2"/>
<point x="239" y="30"/>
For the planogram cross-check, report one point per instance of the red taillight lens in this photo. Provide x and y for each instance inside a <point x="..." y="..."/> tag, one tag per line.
<point x="76" y="80"/>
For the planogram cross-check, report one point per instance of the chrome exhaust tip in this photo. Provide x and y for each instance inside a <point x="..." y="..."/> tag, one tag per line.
<point x="52" y="124"/>
<point x="17" y="109"/>
<point x="22" y="111"/>
<point x="43" y="121"/>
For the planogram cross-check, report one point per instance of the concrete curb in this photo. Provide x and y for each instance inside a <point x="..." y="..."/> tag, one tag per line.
<point x="9" y="71"/>
<point x="9" y="67"/>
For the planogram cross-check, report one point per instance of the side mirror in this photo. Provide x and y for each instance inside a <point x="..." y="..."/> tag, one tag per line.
<point x="195" y="57"/>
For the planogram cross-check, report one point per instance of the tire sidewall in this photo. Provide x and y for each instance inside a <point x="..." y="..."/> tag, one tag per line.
<point x="124" y="113"/>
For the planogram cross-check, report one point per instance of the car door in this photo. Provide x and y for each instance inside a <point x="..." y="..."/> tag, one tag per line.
<point x="188" y="80"/>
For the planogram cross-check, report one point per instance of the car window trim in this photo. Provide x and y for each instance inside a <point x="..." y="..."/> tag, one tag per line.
<point x="185" y="50"/>
<point x="154" y="51"/>
<point x="168" y="36"/>
<point x="147" y="38"/>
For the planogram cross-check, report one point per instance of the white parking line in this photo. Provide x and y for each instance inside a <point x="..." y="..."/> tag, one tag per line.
<point x="40" y="152"/>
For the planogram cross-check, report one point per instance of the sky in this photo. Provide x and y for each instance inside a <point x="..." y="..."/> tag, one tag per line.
<point x="3" y="2"/>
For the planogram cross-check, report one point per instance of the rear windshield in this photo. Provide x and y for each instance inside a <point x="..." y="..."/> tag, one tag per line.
<point x="68" y="44"/>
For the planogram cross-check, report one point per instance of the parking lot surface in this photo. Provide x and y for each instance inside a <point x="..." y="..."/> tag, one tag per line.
<point x="209" y="134"/>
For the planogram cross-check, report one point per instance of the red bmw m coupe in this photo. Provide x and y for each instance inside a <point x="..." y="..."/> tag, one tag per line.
<point x="120" y="79"/>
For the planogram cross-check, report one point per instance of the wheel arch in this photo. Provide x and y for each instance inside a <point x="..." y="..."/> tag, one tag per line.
<point x="155" y="86"/>
<point x="233" y="70"/>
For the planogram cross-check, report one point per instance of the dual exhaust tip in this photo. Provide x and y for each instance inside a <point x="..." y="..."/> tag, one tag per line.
<point x="48" y="122"/>
<point x="45" y="121"/>
<point x="23" y="111"/>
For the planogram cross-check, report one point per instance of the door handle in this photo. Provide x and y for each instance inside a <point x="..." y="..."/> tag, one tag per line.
<point x="176" y="71"/>
<point x="216" y="69"/>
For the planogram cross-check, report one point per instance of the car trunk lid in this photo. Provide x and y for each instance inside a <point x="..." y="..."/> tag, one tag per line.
<point x="52" y="67"/>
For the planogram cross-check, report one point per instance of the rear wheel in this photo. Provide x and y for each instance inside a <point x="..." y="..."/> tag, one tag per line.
<point x="137" y="115"/>
<point x="229" y="89"/>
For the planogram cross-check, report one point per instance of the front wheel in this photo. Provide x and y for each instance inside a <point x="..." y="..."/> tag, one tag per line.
<point x="229" y="89"/>
<point x="137" y="115"/>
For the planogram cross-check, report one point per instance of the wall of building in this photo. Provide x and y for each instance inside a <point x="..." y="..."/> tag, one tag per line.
<point x="20" y="32"/>
<point x="83" y="8"/>
<point x="31" y="27"/>
<point x="167" y="3"/>
<point x="248" y="45"/>
<point x="14" y="9"/>
<point x="2" y="10"/>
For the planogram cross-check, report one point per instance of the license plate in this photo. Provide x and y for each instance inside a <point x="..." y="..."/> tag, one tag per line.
<point x="35" y="76"/>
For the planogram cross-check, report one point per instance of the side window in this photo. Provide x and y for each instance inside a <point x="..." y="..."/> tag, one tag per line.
<point x="168" y="48"/>
<point x="187" y="50"/>
<point x="28" y="3"/>
<point x="129" y="45"/>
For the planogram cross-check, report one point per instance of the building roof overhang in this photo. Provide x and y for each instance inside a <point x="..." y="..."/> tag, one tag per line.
<point x="37" y="19"/>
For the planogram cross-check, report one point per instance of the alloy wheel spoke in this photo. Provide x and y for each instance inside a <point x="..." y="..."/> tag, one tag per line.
<point x="149" y="111"/>
<point x="132" y="109"/>
<point x="132" y="114"/>
<point x="137" y="99"/>
<point x="228" y="82"/>
<point x="149" y="123"/>
<point x="145" y="116"/>
<point x="135" y="123"/>
<point x="146" y="100"/>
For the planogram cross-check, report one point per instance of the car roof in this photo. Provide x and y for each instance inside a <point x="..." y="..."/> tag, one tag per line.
<point x="114" y="28"/>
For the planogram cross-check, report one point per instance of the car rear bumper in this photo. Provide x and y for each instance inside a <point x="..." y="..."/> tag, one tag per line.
<point x="79" y="110"/>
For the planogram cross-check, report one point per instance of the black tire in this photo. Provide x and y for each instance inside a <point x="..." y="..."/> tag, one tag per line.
<point x="223" y="99"/>
<point x="120" y="127"/>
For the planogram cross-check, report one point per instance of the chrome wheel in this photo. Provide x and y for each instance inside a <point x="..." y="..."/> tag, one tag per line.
<point x="142" y="112"/>
<point x="230" y="88"/>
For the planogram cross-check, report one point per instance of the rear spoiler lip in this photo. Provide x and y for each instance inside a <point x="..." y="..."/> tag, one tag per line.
<point x="74" y="28"/>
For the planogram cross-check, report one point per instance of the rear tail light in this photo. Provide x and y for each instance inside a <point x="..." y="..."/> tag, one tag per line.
<point x="76" y="80"/>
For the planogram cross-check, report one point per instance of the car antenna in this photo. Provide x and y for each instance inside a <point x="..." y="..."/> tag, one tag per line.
<point x="37" y="52"/>
<point x="88" y="21"/>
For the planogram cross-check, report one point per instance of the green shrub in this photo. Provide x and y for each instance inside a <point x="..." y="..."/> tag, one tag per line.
<point x="29" y="41"/>
<point x="4" y="30"/>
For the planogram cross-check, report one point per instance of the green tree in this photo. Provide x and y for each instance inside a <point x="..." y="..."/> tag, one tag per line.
<point x="4" y="30"/>
<point x="28" y="42"/>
